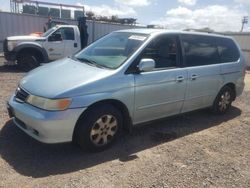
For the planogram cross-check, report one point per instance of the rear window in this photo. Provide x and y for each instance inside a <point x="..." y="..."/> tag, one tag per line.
<point x="200" y="50"/>
<point x="228" y="50"/>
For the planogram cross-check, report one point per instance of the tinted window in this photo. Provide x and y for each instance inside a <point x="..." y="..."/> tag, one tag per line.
<point x="47" y="33"/>
<point x="228" y="50"/>
<point x="200" y="50"/>
<point x="67" y="33"/>
<point x="163" y="50"/>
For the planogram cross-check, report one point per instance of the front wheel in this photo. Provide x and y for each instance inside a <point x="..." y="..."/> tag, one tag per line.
<point x="27" y="62"/>
<point x="223" y="100"/>
<point x="98" y="128"/>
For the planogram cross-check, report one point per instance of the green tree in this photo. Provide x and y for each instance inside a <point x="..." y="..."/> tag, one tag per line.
<point x="90" y="15"/>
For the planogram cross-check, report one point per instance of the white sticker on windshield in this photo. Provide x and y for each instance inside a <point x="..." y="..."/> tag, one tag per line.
<point x="137" y="37"/>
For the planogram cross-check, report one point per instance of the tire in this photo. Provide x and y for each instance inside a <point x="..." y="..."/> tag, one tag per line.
<point x="27" y="62"/>
<point x="223" y="101"/>
<point x="98" y="129"/>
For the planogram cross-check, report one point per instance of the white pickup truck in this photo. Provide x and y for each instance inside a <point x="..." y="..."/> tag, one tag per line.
<point x="30" y="51"/>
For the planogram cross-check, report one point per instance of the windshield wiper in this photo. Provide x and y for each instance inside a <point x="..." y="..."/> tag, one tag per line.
<point x="87" y="61"/>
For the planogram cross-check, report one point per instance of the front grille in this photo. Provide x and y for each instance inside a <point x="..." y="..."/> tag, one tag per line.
<point x="5" y="46"/>
<point x="21" y="95"/>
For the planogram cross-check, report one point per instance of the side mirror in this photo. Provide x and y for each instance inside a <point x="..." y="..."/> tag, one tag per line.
<point x="55" y="37"/>
<point x="146" y="65"/>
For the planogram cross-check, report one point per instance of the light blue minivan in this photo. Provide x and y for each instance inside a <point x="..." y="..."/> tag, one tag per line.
<point x="126" y="78"/>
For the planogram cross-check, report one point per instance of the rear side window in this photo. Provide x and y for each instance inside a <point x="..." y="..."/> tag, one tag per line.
<point x="228" y="50"/>
<point x="200" y="50"/>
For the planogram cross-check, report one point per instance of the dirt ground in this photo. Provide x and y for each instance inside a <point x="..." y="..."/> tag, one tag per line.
<point x="192" y="150"/>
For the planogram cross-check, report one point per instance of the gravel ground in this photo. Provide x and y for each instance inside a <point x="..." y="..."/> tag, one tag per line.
<point x="192" y="150"/>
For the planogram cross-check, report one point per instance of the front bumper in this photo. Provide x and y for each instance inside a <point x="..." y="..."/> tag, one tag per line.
<point x="10" y="56"/>
<point x="45" y="126"/>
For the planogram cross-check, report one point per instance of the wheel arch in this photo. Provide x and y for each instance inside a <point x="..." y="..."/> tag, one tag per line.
<point x="233" y="87"/>
<point x="39" y="51"/>
<point x="127" y="121"/>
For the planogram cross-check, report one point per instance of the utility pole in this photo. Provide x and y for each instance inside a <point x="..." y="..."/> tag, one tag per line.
<point x="244" y="21"/>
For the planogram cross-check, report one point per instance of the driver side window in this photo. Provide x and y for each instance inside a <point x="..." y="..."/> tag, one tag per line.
<point x="163" y="50"/>
<point x="66" y="33"/>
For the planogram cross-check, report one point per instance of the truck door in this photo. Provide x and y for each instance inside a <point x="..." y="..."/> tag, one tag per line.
<point x="71" y="38"/>
<point x="55" y="44"/>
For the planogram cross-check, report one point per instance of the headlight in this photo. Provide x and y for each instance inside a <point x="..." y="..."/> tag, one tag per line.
<point x="11" y="45"/>
<point x="49" y="104"/>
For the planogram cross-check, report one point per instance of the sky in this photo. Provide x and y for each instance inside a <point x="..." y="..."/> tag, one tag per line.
<point x="219" y="15"/>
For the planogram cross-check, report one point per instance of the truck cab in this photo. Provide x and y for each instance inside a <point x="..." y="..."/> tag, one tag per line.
<point x="62" y="41"/>
<point x="30" y="51"/>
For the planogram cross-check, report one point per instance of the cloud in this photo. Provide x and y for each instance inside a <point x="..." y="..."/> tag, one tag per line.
<point x="216" y="17"/>
<point x="5" y="6"/>
<point x="105" y="10"/>
<point x="246" y="2"/>
<point x="134" y="3"/>
<point x="188" y="2"/>
<point x="180" y="11"/>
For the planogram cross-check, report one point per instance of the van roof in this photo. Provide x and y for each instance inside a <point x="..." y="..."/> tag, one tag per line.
<point x="165" y="31"/>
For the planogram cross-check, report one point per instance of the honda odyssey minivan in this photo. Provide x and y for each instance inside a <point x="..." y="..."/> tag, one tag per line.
<point x="126" y="78"/>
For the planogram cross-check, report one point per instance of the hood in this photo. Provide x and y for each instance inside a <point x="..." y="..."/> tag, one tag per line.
<point x="25" y="38"/>
<point x="62" y="76"/>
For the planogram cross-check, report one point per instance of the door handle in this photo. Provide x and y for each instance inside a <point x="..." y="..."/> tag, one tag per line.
<point x="75" y="45"/>
<point x="194" y="76"/>
<point x="180" y="78"/>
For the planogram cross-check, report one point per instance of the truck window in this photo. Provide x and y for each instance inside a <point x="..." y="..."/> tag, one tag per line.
<point x="47" y="33"/>
<point x="163" y="50"/>
<point x="67" y="33"/>
<point x="228" y="50"/>
<point x="200" y="50"/>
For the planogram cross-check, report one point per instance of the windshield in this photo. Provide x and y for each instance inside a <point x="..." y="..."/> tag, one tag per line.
<point x="112" y="50"/>
<point x="47" y="33"/>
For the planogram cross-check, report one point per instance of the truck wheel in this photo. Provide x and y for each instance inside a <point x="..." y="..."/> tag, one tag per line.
<point x="223" y="101"/>
<point x="98" y="128"/>
<point x="27" y="62"/>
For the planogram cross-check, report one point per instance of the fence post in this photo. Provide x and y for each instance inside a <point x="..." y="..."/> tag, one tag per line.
<point x="93" y="31"/>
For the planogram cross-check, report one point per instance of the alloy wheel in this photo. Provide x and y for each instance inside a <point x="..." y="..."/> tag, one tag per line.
<point x="224" y="101"/>
<point x="104" y="130"/>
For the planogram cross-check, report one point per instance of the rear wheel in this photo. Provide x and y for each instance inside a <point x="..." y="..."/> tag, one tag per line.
<point x="27" y="62"/>
<point x="223" y="100"/>
<point x="98" y="128"/>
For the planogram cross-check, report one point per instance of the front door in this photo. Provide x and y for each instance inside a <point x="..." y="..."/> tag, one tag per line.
<point x="160" y="92"/>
